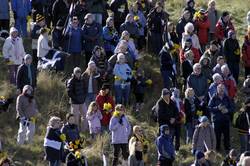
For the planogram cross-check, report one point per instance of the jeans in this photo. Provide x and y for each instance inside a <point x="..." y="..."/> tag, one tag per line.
<point x="122" y="92"/>
<point x="55" y="163"/>
<point x="244" y="143"/>
<point x="26" y="132"/>
<point x="222" y="128"/>
<point x="117" y="148"/>
<point x="167" y="78"/>
<point x="21" y="26"/>
<point x="189" y="132"/>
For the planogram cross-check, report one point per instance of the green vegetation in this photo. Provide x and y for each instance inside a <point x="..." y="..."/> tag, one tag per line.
<point x="52" y="100"/>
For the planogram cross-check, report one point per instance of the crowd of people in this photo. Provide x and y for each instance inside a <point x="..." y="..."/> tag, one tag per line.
<point x="99" y="46"/>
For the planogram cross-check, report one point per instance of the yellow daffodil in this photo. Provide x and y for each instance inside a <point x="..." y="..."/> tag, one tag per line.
<point x="136" y="18"/>
<point x="149" y="82"/>
<point x="78" y="154"/>
<point x="117" y="78"/>
<point x="33" y="119"/>
<point x="199" y="113"/>
<point x="63" y="137"/>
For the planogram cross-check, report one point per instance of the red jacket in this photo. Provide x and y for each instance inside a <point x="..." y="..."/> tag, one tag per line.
<point x="222" y="29"/>
<point x="246" y="52"/>
<point x="100" y="101"/>
<point x="195" y="52"/>
<point x="202" y="29"/>
<point x="231" y="86"/>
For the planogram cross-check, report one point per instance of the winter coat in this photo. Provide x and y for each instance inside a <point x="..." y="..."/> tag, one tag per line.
<point x="139" y="85"/>
<point x="213" y="18"/>
<point x="106" y="116"/>
<point x="180" y="27"/>
<point x="222" y="29"/>
<point x="228" y="162"/>
<point x="74" y="40"/>
<point x="42" y="46"/>
<point x="230" y="85"/>
<point x="165" y="147"/>
<point x="57" y="38"/>
<point x="242" y="122"/>
<point x="120" y="10"/>
<point x="217" y="115"/>
<point x="187" y="69"/>
<point x="195" y="52"/>
<point x="26" y="108"/>
<point x="198" y="83"/>
<point x="13" y="50"/>
<point x="94" y="121"/>
<point x="53" y="145"/>
<point x="92" y="35"/>
<point x="206" y="70"/>
<point x="246" y="52"/>
<point x="195" y="40"/>
<point x="4" y="10"/>
<point x="112" y="60"/>
<point x="165" y="112"/>
<point x="96" y="6"/>
<point x="110" y="37"/>
<point x="101" y="63"/>
<point x="35" y="33"/>
<point x="156" y="21"/>
<point x="80" y="11"/>
<point x="204" y="138"/>
<point x="22" y="8"/>
<point x="166" y="62"/>
<point x="212" y="90"/>
<point x="202" y="29"/>
<point x="59" y="11"/>
<point x="22" y="77"/>
<point x="141" y="23"/>
<point x="123" y="72"/>
<point x="232" y="50"/>
<point x="132" y="161"/>
<point x="212" y="56"/>
<point x="132" y="28"/>
<point x="86" y="77"/>
<point x="71" y="131"/>
<point x="76" y="90"/>
<point x="120" y="131"/>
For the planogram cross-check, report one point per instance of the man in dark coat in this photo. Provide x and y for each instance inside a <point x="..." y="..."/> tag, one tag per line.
<point x="182" y="22"/>
<point x="26" y="74"/>
<point x="59" y="11"/>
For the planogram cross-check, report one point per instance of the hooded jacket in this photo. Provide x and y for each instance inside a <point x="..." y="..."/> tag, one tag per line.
<point x="202" y="26"/>
<point x="165" y="145"/>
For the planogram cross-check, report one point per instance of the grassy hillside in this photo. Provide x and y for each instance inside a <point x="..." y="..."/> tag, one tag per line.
<point x="52" y="100"/>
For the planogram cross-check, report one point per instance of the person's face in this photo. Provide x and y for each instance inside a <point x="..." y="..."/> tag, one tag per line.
<point x="225" y="72"/>
<point x="138" y="146"/>
<point x="28" y="61"/>
<point x="205" y="61"/>
<point x="130" y="19"/>
<point x="191" y="93"/>
<point x="42" y="23"/>
<point x="57" y="124"/>
<point x="135" y="7"/>
<point x="166" y="97"/>
<point x="186" y="16"/>
<point x="122" y="110"/>
<point x="14" y="34"/>
<point x="78" y="75"/>
<point x="90" y="20"/>
<point x="205" y="124"/>
<point x="197" y="70"/>
<point x="126" y="37"/>
<point x="122" y="60"/>
<point x="106" y="91"/>
<point x="29" y="92"/>
<point x="111" y="23"/>
<point x="98" y="52"/>
<point x="233" y="36"/>
<point x="213" y="47"/>
<point x="188" y="44"/>
<point x="158" y="9"/>
<point x="75" y="22"/>
<point x="212" y="5"/>
<point x="226" y="18"/>
<point x="220" y="90"/>
<point x="221" y="62"/>
<point x="233" y="158"/>
<point x="166" y="131"/>
<point x="191" y="4"/>
<point x="170" y="27"/>
<point x="218" y="81"/>
<point x="71" y="120"/>
<point x="139" y="131"/>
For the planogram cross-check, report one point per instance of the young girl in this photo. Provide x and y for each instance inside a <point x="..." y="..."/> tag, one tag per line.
<point x="53" y="142"/>
<point x="94" y="118"/>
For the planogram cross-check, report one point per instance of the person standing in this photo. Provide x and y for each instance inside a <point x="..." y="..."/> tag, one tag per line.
<point x="13" y="53"/>
<point x="70" y="129"/>
<point x="165" y="147"/>
<point x="213" y="17"/>
<point x="4" y="15"/>
<point x="26" y="74"/>
<point x="27" y="111"/>
<point x="21" y="9"/>
<point x="76" y="92"/>
<point x="120" y="129"/>
<point x="246" y="53"/>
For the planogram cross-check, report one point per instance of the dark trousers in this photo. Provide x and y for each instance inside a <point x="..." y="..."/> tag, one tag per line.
<point x="177" y="136"/>
<point x="87" y="57"/>
<point x="139" y="97"/>
<point x="117" y="149"/>
<point x="235" y="70"/>
<point x="247" y="71"/>
<point x="167" y="78"/>
<point x="222" y="128"/>
<point x="5" y="25"/>
<point x="34" y="58"/>
<point x="165" y="162"/>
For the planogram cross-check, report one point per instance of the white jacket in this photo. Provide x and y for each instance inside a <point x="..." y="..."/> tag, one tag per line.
<point x="13" y="50"/>
<point x="42" y="46"/>
<point x="195" y="40"/>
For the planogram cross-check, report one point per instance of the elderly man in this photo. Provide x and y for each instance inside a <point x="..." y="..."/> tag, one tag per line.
<point x="198" y="82"/>
<point x="229" y="81"/>
<point x="220" y="107"/>
<point x="217" y="79"/>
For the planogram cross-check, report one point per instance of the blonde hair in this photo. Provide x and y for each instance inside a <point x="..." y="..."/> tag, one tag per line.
<point x="91" y="107"/>
<point x="52" y="121"/>
<point x="135" y="128"/>
<point x="119" y="107"/>
<point x="187" y="92"/>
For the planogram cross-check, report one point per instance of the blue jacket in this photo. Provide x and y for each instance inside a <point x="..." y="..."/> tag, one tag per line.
<point x="132" y="28"/>
<point x="71" y="131"/>
<point x="21" y="7"/>
<point x="110" y="37"/>
<point x="213" y="89"/>
<point x="165" y="146"/>
<point x="217" y="115"/>
<point x="4" y="10"/>
<point x="75" y="39"/>
<point x="123" y="71"/>
<point x="120" y="131"/>
<point x="141" y="22"/>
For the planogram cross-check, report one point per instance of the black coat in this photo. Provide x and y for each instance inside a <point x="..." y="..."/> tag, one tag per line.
<point x="187" y="69"/>
<point x="241" y="121"/>
<point x="119" y="16"/>
<point x="22" y="78"/>
<point x="154" y="21"/>
<point x="76" y="90"/>
<point x="180" y="27"/>
<point x="59" y="11"/>
<point x="232" y="50"/>
<point x="165" y="112"/>
<point x="166" y="61"/>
